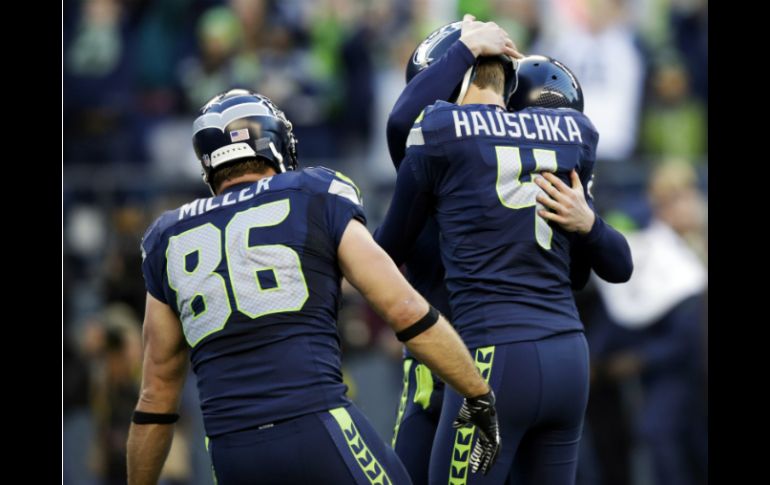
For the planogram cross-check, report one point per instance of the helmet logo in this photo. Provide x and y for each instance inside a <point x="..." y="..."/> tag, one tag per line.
<point x="422" y="54"/>
<point x="206" y="160"/>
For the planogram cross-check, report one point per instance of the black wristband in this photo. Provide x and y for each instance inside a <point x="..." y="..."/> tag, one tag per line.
<point x="419" y="326"/>
<point x="140" y="417"/>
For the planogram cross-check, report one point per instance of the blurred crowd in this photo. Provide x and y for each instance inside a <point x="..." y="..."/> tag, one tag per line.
<point x="135" y="73"/>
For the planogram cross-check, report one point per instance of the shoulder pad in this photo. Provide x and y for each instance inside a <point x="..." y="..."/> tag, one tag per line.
<point x="155" y="231"/>
<point x="330" y="181"/>
<point x="432" y="126"/>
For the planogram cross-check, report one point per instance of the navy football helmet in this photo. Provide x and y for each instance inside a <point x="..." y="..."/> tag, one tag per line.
<point x="547" y="83"/>
<point x="240" y="124"/>
<point x="437" y="43"/>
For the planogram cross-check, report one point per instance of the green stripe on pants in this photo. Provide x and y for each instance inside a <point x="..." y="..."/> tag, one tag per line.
<point x="213" y="473"/>
<point x="402" y="403"/>
<point x="365" y="458"/>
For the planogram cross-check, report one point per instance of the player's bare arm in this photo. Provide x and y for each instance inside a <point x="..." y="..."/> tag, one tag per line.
<point x="163" y="375"/>
<point x="568" y="205"/>
<point x="368" y="267"/>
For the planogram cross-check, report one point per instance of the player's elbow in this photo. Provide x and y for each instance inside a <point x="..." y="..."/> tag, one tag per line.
<point x="626" y="266"/>
<point x="157" y="399"/>
<point x="621" y="276"/>
<point x="398" y="123"/>
<point x="404" y="311"/>
<point x="628" y="271"/>
<point x="621" y="271"/>
<point x="396" y="131"/>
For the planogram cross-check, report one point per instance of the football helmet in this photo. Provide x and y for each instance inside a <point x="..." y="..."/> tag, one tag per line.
<point x="547" y="83"/>
<point x="437" y="43"/>
<point x="240" y="124"/>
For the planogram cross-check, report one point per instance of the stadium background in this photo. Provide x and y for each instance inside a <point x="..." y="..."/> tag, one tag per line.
<point x="136" y="71"/>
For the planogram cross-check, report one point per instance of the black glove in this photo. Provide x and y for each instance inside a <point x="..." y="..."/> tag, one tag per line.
<point x="480" y="412"/>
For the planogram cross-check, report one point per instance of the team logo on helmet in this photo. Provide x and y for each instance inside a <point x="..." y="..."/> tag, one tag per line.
<point x="422" y="53"/>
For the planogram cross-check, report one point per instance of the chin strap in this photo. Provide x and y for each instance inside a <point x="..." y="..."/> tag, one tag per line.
<point x="465" y="84"/>
<point x="278" y="157"/>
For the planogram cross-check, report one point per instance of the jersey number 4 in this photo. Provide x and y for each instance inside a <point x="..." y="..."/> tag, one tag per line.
<point x="264" y="278"/>
<point x="515" y="194"/>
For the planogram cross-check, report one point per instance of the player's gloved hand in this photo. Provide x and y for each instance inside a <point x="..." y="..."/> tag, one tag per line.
<point x="480" y="412"/>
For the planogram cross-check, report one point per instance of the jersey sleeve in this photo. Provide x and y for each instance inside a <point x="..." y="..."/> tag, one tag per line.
<point x="344" y="203"/>
<point x="437" y="82"/>
<point x="431" y="131"/>
<point x="603" y="249"/>
<point x="412" y="204"/>
<point x="154" y="260"/>
<point x="608" y="252"/>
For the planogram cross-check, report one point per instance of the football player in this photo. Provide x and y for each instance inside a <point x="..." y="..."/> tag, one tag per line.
<point x="449" y="55"/>
<point x="509" y="271"/>
<point x="246" y="283"/>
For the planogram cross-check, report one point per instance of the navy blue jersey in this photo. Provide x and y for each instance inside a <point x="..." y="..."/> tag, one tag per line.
<point x="507" y="269"/>
<point x="253" y="275"/>
<point x="604" y="250"/>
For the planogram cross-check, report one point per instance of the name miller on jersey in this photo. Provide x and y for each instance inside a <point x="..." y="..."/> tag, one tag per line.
<point x="532" y="126"/>
<point x="201" y="206"/>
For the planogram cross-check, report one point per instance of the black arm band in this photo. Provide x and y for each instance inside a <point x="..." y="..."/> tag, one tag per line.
<point x="141" y="417"/>
<point x="419" y="326"/>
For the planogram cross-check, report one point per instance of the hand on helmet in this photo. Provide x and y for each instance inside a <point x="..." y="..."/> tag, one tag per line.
<point x="487" y="38"/>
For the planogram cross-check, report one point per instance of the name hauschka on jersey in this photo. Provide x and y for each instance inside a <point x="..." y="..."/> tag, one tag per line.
<point x="530" y="126"/>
